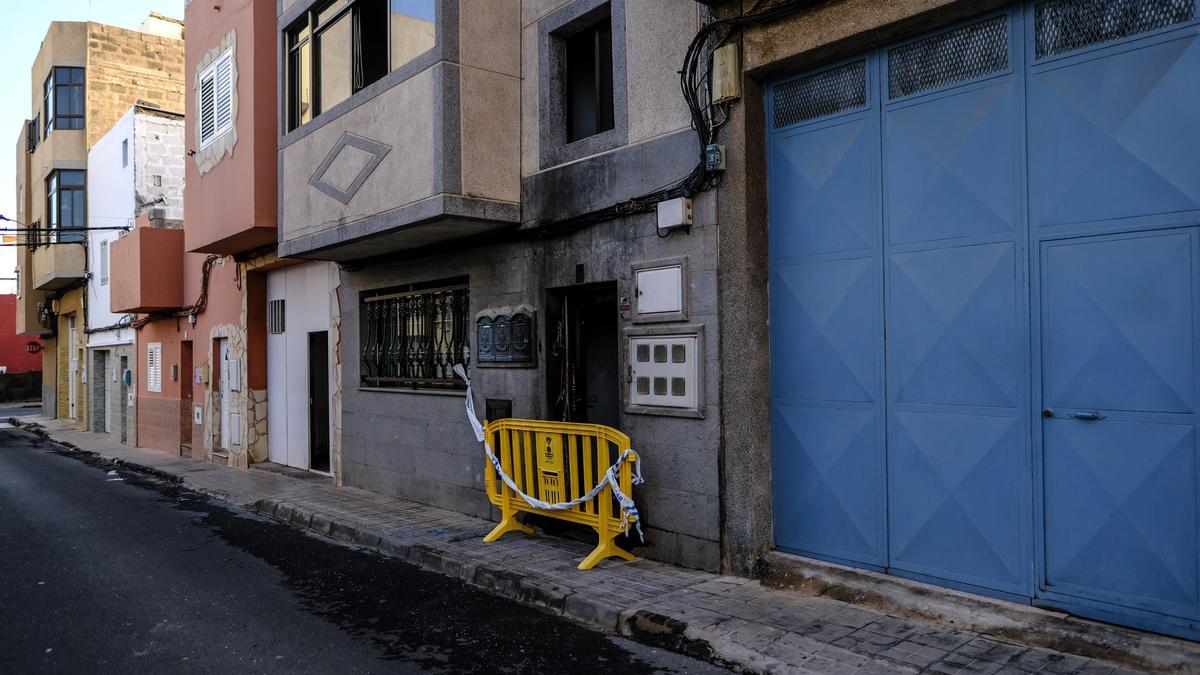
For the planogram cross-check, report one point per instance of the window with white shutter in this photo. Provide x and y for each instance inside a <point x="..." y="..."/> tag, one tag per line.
<point x="154" y="366"/>
<point x="104" y="263"/>
<point x="216" y="98"/>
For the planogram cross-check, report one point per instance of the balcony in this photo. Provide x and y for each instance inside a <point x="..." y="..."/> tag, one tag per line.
<point x="146" y="270"/>
<point x="428" y="153"/>
<point x="57" y="266"/>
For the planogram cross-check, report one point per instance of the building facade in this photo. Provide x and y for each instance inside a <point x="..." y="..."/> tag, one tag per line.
<point x="476" y="233"/>
<point x="201" y="367"/>
<point x="85" y="77"/>
<point x="136" y="170"/>
<point x="1009" y="193"/>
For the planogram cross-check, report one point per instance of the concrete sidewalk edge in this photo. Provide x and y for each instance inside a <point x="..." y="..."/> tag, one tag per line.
<point x="673" y="633"/>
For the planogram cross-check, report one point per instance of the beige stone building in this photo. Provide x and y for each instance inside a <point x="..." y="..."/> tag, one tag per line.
<point x="84" y="78"/>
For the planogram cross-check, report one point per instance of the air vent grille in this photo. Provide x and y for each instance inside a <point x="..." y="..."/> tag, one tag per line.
<point x="821" y="94"/>
<point x="1063" y="26"/>
<point x="941" y="60"/>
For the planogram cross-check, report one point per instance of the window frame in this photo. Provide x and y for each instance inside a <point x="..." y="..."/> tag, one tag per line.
<point x="209" y="75"/>
<point x="154" y="367"/>
<point x="50" y="98"/>
<point x="372" y="337"/>
<point x="554" y="146"/>
<point x="305" y="33"/>
<point x="103" y="254"/>
<point x="54" y="193"/>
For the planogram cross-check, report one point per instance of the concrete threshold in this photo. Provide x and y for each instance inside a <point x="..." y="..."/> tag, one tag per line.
<point x="806" y="618"/>
<point x="1021" y="623"/>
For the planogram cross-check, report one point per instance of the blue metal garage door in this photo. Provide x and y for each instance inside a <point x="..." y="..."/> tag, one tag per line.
<point x="983" y="282"/>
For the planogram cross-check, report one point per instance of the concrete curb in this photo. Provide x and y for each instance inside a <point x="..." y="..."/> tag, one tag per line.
<point x="592" y="611"/>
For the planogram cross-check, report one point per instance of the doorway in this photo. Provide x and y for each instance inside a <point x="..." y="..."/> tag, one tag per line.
<point x="223" y="393"/>
<point x="318" y="401"/>
<point x="100" y="391"/>
<point x="72" y="369"/>
<point x="123" y="403"/>
<point x="185" y="398"/>
<point x="583" y="369"/>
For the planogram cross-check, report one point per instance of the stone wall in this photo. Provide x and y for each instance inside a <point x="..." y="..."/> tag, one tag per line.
<point x="125" y="66"/>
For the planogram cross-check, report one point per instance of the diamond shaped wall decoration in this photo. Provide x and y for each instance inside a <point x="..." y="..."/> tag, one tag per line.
<point x="336" y="176"/>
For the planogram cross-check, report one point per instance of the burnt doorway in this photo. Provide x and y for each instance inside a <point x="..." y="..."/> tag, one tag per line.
<point x="583" y="369"/>
<point x="318" y="401"/>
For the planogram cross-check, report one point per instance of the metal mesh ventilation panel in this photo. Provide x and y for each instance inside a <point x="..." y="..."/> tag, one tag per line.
<point x="958" y="55"/>
<point x="821" y="94"/>
<point x="1063" y="26"/>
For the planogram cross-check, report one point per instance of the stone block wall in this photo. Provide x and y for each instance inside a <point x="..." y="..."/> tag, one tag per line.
<point x="125" y="66"/>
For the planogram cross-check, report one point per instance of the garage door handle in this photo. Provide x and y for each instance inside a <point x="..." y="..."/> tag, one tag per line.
<point x="1089" y="415"/>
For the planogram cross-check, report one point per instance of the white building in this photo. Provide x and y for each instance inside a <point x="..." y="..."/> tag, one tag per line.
<point x="302" y="338"/>
<point x="134" y="169"/>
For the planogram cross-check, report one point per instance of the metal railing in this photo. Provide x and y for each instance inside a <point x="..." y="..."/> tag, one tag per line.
<point x="559" y="462"/>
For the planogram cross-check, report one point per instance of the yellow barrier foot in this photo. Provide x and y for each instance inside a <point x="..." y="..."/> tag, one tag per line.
<point x="506" y="525"/>
<point x="605" y="550"/>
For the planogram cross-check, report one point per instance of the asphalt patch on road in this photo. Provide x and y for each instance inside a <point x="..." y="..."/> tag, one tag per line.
<point x="408" y="614"/>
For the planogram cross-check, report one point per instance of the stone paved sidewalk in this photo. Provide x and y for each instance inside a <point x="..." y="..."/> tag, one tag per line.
<point x="730" y="620"/>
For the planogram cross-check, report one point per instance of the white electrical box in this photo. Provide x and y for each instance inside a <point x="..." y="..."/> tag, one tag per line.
<point x="674" y="213"/>
<point x="664" y="371"/>
<point x="726" y="74"/>
<point x="660" y="290"/>
<point x="235" y="429"/>
<point x="198" y="414"/>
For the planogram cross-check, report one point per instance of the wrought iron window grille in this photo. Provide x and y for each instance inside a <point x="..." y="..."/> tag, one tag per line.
<point x="413" y="338"/>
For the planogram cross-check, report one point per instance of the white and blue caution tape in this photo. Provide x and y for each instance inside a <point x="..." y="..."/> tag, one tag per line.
<point x="611" y="477"/>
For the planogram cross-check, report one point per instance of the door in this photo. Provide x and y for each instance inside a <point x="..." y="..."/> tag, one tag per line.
<point x="223" y="397"/>
<point x="123" y="402"/>
<point x="100" y="391"/>
<point x="1119" y="348"/>
<point x="583" y="382"/>
<point x="186" y="421"/>
<point x="318" y="401"/>
<point x="72" y="369"/>
<point x="983" y="264"/>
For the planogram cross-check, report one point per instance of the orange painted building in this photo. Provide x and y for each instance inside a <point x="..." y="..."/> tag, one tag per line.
<point x="202" y="361"/>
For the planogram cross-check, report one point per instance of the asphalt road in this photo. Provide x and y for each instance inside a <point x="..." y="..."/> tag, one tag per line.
<point x="105" y="570"/>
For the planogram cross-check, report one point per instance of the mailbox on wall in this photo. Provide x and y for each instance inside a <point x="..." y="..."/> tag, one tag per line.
<point x="505" y="335"/>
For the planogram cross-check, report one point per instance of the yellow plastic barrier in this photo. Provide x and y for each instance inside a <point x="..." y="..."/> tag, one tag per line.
<point x="559" y="462"/>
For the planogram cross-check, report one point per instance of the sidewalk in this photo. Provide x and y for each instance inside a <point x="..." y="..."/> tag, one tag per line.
<point x="734" y="621"/>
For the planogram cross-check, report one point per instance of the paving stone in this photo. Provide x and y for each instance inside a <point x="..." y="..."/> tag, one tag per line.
<point x="795" y="632"/>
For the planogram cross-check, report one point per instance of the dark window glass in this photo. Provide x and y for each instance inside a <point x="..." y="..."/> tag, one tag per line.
<point x="589" y="80"/>
<point x="63" y="99"/>
<point x="66" y="205"/>
<point x="343" y="46"/>
<point x="412" y="337"/>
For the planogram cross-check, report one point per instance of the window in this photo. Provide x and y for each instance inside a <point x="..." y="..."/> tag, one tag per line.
<point x="216" y="98"/>
<point x="124" y="153"/>
<point x="33" y="133"/>
<point x="275" y="319"/>
<point x="588" y="80"/>
<point x="154" y="366"/>
<point x="665" y="371"/>
<point x="341" y="47"/>
<point x="412" y="337"/>
<point x="65" y="205"/>
<point x="104" y="263"/>
<point x="63" y="99"/>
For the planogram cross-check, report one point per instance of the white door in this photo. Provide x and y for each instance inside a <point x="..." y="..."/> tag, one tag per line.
<point x="72" y="368"/>
<point x="224" y="402"/>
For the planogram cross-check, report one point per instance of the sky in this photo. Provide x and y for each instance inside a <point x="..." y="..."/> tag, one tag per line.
<point x="25" y="25"/>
